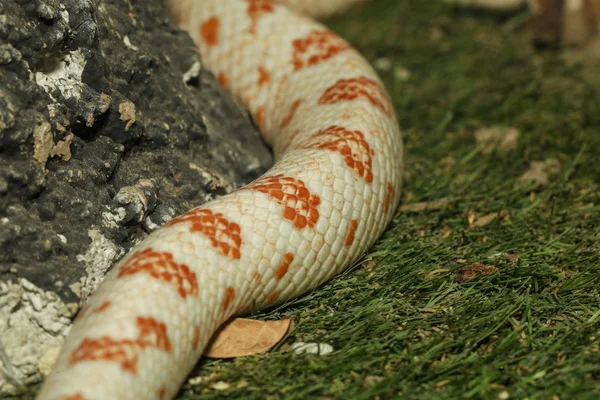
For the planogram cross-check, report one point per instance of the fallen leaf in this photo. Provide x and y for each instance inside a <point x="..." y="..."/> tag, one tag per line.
<point x="513" y="258"/>
<point x="243" y="337"/>
<point x="471" y="217"/>
<point x="504" y="137"/>
<point x="311" y="348"/>
<point x="447" y="163"/>
<point x="539" y="170"/>
<point x="434" y="273"/>
<point x="483" y="221"/>
<point x="220" y="385"/>
<point x="469" y="272"/>
<point x="373" y="380"/>
<point x="424" y="206"/>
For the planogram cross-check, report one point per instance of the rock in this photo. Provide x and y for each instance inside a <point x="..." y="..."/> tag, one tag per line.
<point x="105" y="134"/>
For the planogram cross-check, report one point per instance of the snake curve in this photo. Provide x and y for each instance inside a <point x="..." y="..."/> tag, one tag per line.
<point x="329" y="196"/>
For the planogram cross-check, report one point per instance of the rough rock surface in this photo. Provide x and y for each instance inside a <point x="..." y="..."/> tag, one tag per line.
<point x="109" y="127"/>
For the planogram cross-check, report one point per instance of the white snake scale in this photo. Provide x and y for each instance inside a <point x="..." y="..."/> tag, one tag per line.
<point x="330" y="195"/>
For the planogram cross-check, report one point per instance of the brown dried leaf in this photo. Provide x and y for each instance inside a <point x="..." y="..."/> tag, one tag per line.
<point x="469" y="272"/>
<point x="513" y="258"/>
<point x="471" y="217"/>
<point x="243" y="337"/>
<point x="424" y="206"/>
<point x="482" y="221"/>
<point x="539" y="170"/>
<point x="506" y="138"/>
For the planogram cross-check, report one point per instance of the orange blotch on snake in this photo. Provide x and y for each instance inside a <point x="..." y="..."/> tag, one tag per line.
<point x="223" y="80"/>
<point x="209" y="31"/>
<point x="152" y="334"/>
<point x="318" y="46"/>
<point x="160" y="265"/>
<point x="223" y="234"/>
<point x="356" y="88"/>
<point x="229" y="298"/>
<point x="75" y="396"/>
<point x="260" y="115"/>
<point x="196" y="338"/>
<point x="283" y="267"/>
<point x="162" y="392"/>
<point x="273" y="296"/>
<point x="257" y="277"/>
<point x="351" y="230"/>
<point x="300" y="206"/>
<point x="288" y="118"/>
<point x="257" y="8"/>
<point x="389" y="195"/>
<point x="357" y="153"/>
<point x="263" y="76"/>
<point x="102" y="307"/>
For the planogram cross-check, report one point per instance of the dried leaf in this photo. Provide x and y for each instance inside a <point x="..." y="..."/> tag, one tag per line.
<point x="243" y="337"/>
<point x="539" y="170"/>
<point x="506" y="138"/>
<point x="483" y="221"/>
<point x="321" y="349"/>
<point x="424" y="206"/>
<point x="469" y="272"/>
<point x="513" y="258"/>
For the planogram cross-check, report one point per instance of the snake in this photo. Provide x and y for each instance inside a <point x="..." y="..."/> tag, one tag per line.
<point x="332" y="191"/>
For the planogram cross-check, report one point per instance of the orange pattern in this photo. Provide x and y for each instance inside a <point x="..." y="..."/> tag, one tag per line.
<point x="283" y="267"/>
<point x="353" y="88"/>
<point x="352" y="145"/>
<point x="256" y="8"/>
<point x="389" y="195"/>
<point x="300" y="205"/>
<point x="209" y="31"/>
<point x="273" y="296"/>
<point x="229" y="298"/>
<point x="320" y="45"/>
<point x="196" y="338"/>
<point x="223" y="235"/>
<point x="160" y="265"/>
<point x="102" y="307"/>
<point x="76" y="396"/>
<point x="351" y="230"/>
<point x="263" y="76"/>
<point x="125" y="351"/>
<point x="223" y="80"/>
<point x="260" y="115"/>
<point x="286" y="121"/>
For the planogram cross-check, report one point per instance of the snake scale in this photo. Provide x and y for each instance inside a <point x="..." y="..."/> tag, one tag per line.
<point x="329" y="196"/>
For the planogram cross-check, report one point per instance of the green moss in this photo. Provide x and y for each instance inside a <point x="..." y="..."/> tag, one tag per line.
<point x="402" y="322"/>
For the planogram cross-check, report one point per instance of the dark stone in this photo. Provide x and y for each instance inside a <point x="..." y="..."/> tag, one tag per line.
<point x="142" y="144"/>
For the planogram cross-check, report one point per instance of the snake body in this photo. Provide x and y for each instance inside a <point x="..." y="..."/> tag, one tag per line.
<point x="331" y="193"/>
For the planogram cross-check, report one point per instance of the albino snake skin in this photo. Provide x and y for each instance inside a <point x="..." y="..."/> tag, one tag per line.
<point x="330" y="195"/>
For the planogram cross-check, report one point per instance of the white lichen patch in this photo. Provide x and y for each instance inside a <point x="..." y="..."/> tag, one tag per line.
<point x="99" y="257"/>
<point x="63" y="74"/>
<point x="32" y="322"/>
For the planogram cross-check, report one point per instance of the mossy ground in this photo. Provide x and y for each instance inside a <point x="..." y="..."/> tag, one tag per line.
<point x="402" y="322"/>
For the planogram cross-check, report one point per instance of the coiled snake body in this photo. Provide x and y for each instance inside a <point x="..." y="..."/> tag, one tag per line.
<point x="331" y="193"/>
